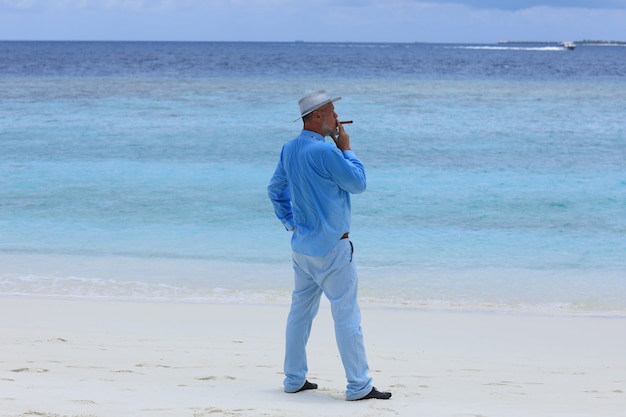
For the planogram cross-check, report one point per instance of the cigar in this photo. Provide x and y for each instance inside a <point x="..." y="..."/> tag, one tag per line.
<point x="346" y="122"/>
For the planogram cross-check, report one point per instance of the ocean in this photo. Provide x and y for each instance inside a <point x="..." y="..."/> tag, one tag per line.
<point x="138" y="171"/>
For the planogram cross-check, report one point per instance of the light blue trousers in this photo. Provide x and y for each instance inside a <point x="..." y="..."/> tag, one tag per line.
<point x="333" y="275"/>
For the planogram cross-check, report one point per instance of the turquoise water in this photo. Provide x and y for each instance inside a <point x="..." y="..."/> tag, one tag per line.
<point x="496" y="177"/>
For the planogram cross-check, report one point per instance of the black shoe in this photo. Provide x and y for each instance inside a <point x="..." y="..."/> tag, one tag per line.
<point x="375" y="394"/>
<point x="307" y="385"/>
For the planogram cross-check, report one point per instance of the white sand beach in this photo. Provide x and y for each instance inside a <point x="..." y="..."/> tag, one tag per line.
<point x="65" y="357"/>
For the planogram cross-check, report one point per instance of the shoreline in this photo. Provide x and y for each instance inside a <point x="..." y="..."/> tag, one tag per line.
<point x="487" y="290"/>
<point x="283" y="301"/>
<point x="84" y="358"/>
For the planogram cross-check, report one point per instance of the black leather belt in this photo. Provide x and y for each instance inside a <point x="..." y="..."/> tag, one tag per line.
<point x="345" y="236"/>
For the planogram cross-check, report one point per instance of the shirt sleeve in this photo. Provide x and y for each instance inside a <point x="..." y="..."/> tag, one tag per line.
<point x="278" y="192"/>
<point x="347" y="171"/>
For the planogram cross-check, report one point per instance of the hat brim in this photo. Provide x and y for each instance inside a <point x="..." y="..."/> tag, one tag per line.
<point x="332" y="100"/>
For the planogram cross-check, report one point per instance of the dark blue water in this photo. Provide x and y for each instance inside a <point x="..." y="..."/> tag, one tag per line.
<point x="309" y="60"/>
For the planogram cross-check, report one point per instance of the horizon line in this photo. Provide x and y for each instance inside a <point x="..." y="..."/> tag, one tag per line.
<point x="297" y="41"/>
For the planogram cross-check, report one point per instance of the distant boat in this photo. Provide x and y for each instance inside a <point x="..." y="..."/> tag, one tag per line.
<point x="568" y="45"/>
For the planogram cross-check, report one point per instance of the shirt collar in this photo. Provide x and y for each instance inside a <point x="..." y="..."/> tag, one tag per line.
<point x="313" y="135"/>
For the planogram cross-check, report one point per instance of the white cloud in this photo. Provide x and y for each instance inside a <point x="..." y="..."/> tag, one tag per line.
<point x="17" y="5"/>
<point x="528" y="4"/>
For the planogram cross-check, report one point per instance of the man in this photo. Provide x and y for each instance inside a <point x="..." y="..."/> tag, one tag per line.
<point x="310" y="191"/>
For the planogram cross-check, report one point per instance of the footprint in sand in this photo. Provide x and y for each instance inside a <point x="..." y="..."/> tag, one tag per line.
<point x="41" y="370"/>
<point x="220" y="412"/>
<point x="214" y="378"/>
<point x="207" y="378"/>
<point x="58" y="340"/>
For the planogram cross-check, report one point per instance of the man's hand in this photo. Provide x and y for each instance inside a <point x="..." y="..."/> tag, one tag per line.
<point x="341" y="138"/>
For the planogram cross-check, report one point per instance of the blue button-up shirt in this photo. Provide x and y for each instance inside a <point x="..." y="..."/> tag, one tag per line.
<point x="310" y="191"/>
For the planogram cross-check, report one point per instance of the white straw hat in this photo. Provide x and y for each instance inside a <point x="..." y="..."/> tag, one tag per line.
<point x="314" y="101"/>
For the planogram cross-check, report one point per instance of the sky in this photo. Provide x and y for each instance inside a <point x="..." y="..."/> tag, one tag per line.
<point x="471" y="21"/>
